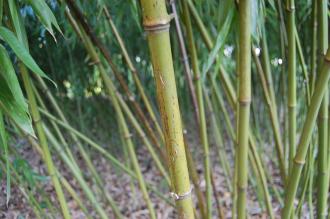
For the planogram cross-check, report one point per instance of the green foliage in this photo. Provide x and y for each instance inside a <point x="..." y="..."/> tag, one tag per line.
<point x="4" y="146"/>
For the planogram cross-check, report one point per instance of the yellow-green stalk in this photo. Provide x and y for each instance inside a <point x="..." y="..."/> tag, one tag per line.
<point x="43" y="141"/>
<point x="322" y="177"/>
<point x="244" y="100"/>
<point x="134" y="73"/>
<point x="299" y="160"/>
<point x="201" y="109"/>
<point x="122" y="122"/>
<point x="292" y="96"/>
<point x="156" y="23"/>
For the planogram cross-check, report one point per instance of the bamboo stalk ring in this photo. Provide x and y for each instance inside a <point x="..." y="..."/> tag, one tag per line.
<point x="178" y="197"/>
<point x="291" y="8"/>
<point x="36" y="121"/>
<point x="157" y="26"/>
<point x="129" y="135"/>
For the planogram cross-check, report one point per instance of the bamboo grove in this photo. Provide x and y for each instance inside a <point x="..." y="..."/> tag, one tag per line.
<point x="226" y="101"/>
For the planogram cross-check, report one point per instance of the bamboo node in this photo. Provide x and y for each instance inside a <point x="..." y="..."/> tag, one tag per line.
<point x="326" y="58"/>
<point x="45" y="91"/>
<point x="94" y="62"/>
<point x="292" y="105"/>
<point x="131" y="98"/>
<point x="129" y="135"/>
<point x="197" y="77"/>
<point x="162" y="24"/>
<point x="299" y="162"/>
<point x="245" y="102"/>
<point x="241" y="188"/>
<point x="291" y="8"/>
<point x="36" y="121"/>
<point x="178" y="197"/>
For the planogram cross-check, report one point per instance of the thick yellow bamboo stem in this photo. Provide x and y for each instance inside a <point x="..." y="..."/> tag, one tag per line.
<point x="156" y="23"/>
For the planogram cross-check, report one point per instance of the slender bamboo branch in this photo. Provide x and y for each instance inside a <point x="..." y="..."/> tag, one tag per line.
<point x="98" y="44"/>
<point x="185" y="60"/>
<point x="201" y="108"/>
<point x="134" y="72"/>
<point x="292" y="96"/>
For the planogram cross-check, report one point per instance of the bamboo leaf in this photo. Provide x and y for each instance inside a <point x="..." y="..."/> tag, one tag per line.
<point x="8" y="72"/>
<point x="220" y="41"/>
<point x="3" y="143"/>
<point x="256" y="19"/>
<point x="1" y="11"/>
<point x="45" y="15"/>
<point x="21" y="52"/>
<point x="14" y="110"/>
<point x="11" y="92"/>
<point x="17" y="22"/>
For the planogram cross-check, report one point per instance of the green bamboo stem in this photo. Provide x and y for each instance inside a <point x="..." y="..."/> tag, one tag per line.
<point x="244" y="70"/>
<point x="272" y="112"/>
<point x="201" y="108"/>
<point x="217" y="200"/>
<point x="219" y="141"/>
<point x="223" y="77"/>
<point x="61" y="115"/>
<point x="126" y="134"/>
<point x="134" y="73"/>
<point x="259" y="167"/>
<point x="57" y="130"/>
<point x="155" y="18"/>
<point x="219" y="99"/>
<point x="64" y="182"/>
<point x="95" y="58"/>
<point x="86" y="157"/>
<point x="320" y="89"/>
<point x="292" y="96"/>
<point x="98" y="44"/>
<point x="43" y="142"/>
<point x="304" y="67"/>
<point x="81" y="149"/>
<point x="17" y="180"/>
<point x="101" y="150"/>
<point x="304" y="190"/>
<point x="265" y="60"/>
<point x="185" y="61"/>
<point x="123" y="126"/>
<point x="322" y="177"/>
<point x="144" y="138"/>
<point x="195" y="180"/>
<point x="310" y="184"/>
<point x="313" y="61"/>
<point x="254" y="155"/>
<point x="88" y="192"/>
<point x="229" y="89"/>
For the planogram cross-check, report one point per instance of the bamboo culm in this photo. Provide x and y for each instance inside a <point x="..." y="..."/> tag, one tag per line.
<point x="244" y="70"/>
<point x="299" y="160"/>
<point x="155" y="18"/>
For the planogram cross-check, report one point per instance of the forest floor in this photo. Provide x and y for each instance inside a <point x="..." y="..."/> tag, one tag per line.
<point x="124" y="192"/>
